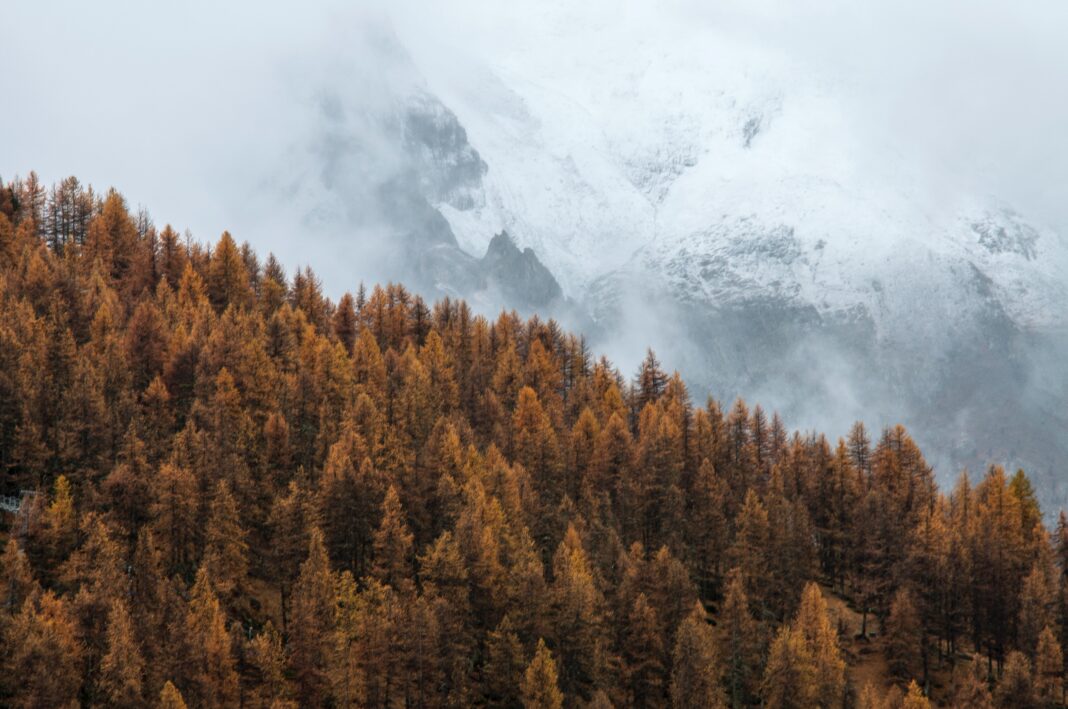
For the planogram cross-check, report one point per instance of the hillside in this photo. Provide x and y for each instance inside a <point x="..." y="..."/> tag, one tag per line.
<point x="233" y="491"/>
<point x="689" y="180"/>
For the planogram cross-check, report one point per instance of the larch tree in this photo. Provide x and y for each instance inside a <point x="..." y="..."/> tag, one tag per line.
<point x="576" y="608"/>
<point x="227" y="281"/>
<point x="915" y="698"/>
<point x="312" y="624"/>
<point x="212" y="674"/>
<point x="290" y="516"/>
<point x="696" y="668"/>
<point x="821" y="640"/>
<point x="226" y="548"/>
<point x="16" y="577"/>
<point x="790" y="676"/>
<point x="345" y="323"/>
<point x="1015" y="688"/>
<point x="750" y="552"/>
<point x="42" y="656"/>
<point x="538" y="688"/>
<point x="970" y="687"/>
<point x="393" y="544"/>
<point x="1037" y="607"/>
<point x="740" y="643"/>
<point x="504" y="666"/>
<point x="1049" y="670"/>
<point x="266" y="657"/>
<point x="122" y="669"/>
<point x="170" y="698"/>
<point x="642" y="651"/>
<point x="904" y="634"/>
<point x="707" y="529"/>
<point x="174" y="513"/>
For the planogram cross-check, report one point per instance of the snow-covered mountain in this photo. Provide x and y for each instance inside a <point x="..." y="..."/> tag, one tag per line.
<point x="696" y="188"/>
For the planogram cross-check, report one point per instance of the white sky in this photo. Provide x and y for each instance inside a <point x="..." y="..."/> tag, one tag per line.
<point x="192" y="108"/>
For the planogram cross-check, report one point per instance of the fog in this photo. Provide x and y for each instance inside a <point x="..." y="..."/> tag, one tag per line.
<point x="279" y="123"/>
<point x="195" y="109"/>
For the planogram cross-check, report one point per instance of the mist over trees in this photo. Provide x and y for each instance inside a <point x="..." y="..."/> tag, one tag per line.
<point x="241" y="493"/>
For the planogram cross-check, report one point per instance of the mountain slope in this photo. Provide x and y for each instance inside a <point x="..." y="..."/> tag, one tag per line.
<point x="700" y="187"/>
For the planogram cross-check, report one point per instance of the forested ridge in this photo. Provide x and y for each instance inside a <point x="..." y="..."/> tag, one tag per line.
<point x="241" y="493"/>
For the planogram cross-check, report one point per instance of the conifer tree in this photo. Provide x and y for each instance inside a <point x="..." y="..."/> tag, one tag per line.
<point x="504" y="667"/>
<point x="707" y="528"/>
<point x="345" y="324"/>
<point x="368" y="367"/>
<point x="42" y="655"/>
<point x="145" y="344"/>
<point x="171" y="698"/>
<point x="212" y="678"/>
<point x="16" y="578"/>
<point x="914" y="698"/>
<point x="535" y="446"/>
<point x="122" y="669"/>
<point x="821" y="641"/>
<point x="226" y="548"/>
<point x="312" y="624"/>
<point x="227" y="282"/>
<point x="539" y="689"/>
<point x="790" y="676"/>
<point x="1015" y="689"/>
<point x="289" y="541"/>
<point x="1036" y="607"/>
<point x="62" y="522"/>
<point x="750" y="550"/>
<point x="740" y="643"/>
<point x="696" y="667"/>
<point x="265" y="654"/>
<point x="576" y="606"/>
<point x="970" y="687"/>
<point x="393" y="544"/>
<point x="1049" y="670"/>
<point x="904" y="634"/>
<point x="642" y="651"/>
<point x="174" y="515"/>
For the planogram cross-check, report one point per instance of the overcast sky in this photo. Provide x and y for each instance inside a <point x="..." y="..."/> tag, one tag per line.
<point x="196" y="110"/>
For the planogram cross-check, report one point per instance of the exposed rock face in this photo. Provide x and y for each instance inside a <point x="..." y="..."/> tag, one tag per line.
<point x="519" y="276"/>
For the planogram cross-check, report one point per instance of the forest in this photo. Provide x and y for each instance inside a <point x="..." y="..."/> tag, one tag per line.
<point x="226" y="490"/>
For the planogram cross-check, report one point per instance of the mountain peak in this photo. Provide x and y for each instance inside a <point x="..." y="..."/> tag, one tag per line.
<point x="520" y="275"/>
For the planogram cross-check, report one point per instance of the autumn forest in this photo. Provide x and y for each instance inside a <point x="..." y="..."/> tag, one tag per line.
<point x="225" y="489"/>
